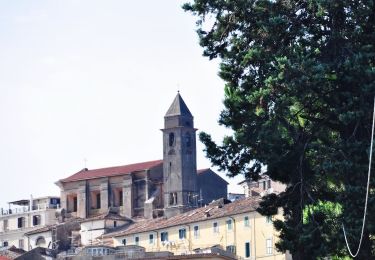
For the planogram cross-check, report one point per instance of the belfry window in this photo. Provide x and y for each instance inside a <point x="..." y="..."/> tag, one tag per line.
<point x="171" y="139"/>
<point x="173" y="198"/>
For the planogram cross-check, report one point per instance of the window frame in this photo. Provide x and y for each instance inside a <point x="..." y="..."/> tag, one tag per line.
<point x="164" y="236"/>
<point x="215" y="229"/>
<point x="247" y="249"/>
<point x="182" y="233"/>
<point x="229" y="223"/>
<point x="246" y="221"/>
<point x="196" y="232"/>
<point x="269" y="248"/>
<point x="151" y="239"/>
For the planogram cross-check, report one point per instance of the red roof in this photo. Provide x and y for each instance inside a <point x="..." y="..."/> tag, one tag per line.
<point x="4" y="258"/>
<point x="112" y="171"/>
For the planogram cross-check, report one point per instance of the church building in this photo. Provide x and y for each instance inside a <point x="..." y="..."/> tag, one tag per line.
<point x="150" y="189"/>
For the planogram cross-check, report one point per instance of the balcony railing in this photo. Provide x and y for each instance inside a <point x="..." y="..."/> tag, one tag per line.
<point x="20" y="210"/>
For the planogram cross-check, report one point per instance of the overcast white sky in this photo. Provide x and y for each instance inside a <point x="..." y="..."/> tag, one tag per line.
<point x="93" y="79"/>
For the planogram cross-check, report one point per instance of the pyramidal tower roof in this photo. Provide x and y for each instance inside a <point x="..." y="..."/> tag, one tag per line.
<point x="178" y="108"/>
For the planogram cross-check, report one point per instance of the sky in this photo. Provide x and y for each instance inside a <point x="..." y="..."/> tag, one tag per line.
<point x="87" y="84"/>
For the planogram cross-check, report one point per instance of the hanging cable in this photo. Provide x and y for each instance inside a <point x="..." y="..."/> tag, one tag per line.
<point x="367" y="191"/>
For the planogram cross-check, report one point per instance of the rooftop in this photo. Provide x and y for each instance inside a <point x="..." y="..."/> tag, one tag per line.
<point x="212" y="211"/>
<point x="85" y="173"/>
<point x="178" y="108"/>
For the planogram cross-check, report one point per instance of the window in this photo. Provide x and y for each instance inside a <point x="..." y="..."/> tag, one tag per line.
<point x="269" y="219"/>
<point x="164" y="236"/>
<point x="171" y="139"/>
<point x="5" y="224"/>
<point x="114" y="223"/>
<point x="182" y="233"/>
<point x="124" y="242"/>
<point x="229" y="224"/>
<point x="247" y="249"/>
<point x="40" y="241"/>
<point x="136" y="241"/>
<point x="98" y="201"/>
<point x="246" y="221"/>
<point x="36" y="220"/>
<point x="151" y="239"/>
<point x="231" y="249"/>
<point x="269" y="184"/>
<point x="215" y="227"/>
<point x="269" y="246"/>
<point x="20" y="244"/>
<point x="5" y="243"/>
<point x="75" y="203"/>
<point x="121" y="199"/>
<point x="21" y="222"/>
<point x="196" y="231"/>
<point x="173" y="198"/>
<point x="264" y="185"/>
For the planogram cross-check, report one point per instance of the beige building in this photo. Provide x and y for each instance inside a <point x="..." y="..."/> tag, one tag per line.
<point x="261" y="187"/>
<point x="235" y="227"/>
<point x="24" y="216"/>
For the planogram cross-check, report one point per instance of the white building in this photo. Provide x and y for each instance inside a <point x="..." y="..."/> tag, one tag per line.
<point x="263" y="186"/>
<point x="26" y="215"/>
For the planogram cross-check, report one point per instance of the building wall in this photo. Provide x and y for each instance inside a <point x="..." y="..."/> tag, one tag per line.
<point x="211" y="187"/>
<point x="258" y="231"/>
<point x="14" y="234"/>
<point x="91" y="230"/>
<point x="32" y="239"/>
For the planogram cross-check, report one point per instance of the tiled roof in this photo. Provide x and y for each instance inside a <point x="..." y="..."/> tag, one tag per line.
<point x="110" y="216"/>
<point x="112" y="171"/>
<point x="40" y="230"/>
<point x="212" y="211"/>
<point x="50" y="227"/>
<point x="86" y="174"/>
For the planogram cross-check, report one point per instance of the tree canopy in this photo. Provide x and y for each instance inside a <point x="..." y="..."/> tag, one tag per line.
<point x="299" y="90"/>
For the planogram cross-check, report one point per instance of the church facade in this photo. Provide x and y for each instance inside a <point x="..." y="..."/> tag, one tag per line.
<point x="150" y="189"/>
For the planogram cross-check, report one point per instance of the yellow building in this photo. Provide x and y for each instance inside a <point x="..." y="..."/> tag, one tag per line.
<point x="236" y="227"/>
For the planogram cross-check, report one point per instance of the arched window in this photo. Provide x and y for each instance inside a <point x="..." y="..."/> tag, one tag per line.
<point x="171" y="139"/>
<point x="40" y="241"/>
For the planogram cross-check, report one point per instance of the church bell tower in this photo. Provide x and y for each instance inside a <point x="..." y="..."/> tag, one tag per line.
<point x="179" y="159"/>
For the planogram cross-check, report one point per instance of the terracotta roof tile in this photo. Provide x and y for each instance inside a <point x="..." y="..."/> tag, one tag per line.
<point x="86" y="174"/>
<point x="205" y="213"/>
<point x="110" y="216"/>
<point x="112" y="171"/>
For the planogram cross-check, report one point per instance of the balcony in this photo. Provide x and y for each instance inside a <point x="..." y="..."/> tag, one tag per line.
<point x="24" y="209"/>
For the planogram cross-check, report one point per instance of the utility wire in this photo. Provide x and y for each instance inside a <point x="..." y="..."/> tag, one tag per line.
<point x="367" y="191"/>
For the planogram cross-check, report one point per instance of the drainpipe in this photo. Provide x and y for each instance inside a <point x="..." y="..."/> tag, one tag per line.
<point x="234" y="233"/>
<point x="157" y="241"/>
<point x="189" y="239"/>
<point x="255" y="246"/>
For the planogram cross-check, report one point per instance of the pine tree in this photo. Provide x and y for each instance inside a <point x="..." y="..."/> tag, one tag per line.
<point x="299" y="89"/>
